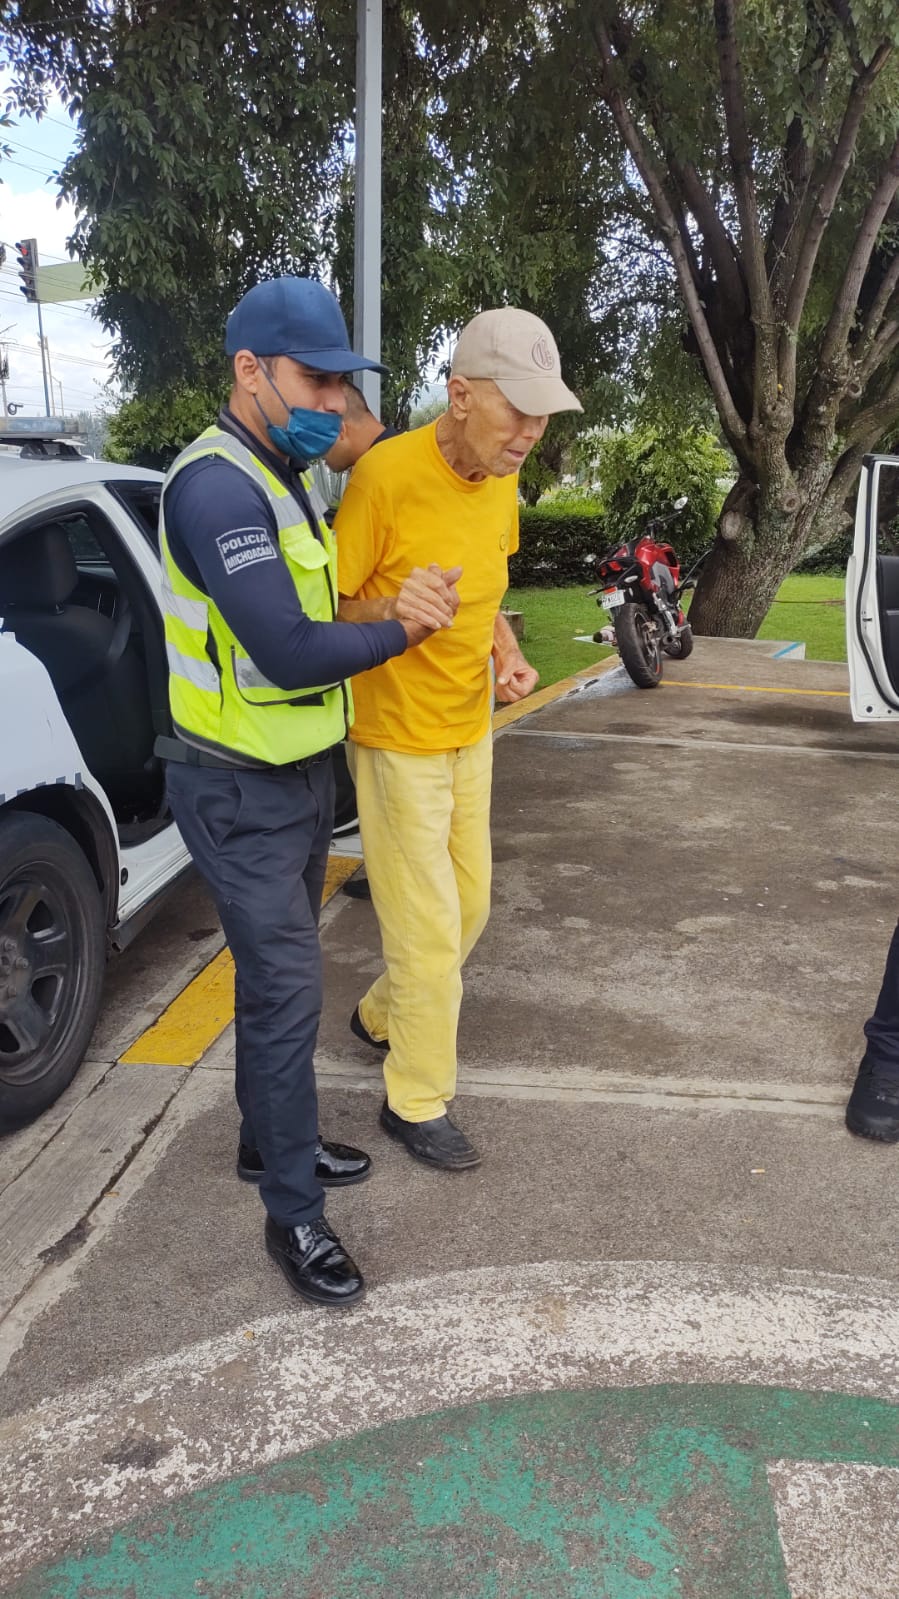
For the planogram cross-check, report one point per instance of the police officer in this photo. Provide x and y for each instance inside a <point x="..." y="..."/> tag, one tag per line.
<point x="258" y="698"/>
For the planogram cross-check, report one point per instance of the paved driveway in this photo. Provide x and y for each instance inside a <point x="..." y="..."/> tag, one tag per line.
<point x="650" y="1346"/>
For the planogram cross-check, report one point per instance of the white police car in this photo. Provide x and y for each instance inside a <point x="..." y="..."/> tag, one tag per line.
<point x="87" y="847"/>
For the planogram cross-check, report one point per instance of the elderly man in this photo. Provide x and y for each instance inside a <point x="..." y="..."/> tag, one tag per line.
<point x="422" y="742"/>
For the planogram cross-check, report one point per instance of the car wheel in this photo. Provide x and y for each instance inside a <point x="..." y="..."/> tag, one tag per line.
<point x="52" y="957"/>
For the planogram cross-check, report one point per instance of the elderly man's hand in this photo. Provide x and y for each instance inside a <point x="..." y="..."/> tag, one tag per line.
<point x="427" y="601"/>
<point x="515" y="679"/>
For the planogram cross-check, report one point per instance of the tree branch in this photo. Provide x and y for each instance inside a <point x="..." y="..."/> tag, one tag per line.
<point x="879" y="305"/>
<point x="836" y="334"/>
<point x="880" y="351"/>
<point x="732" y="421"/>
<point x="871" y="423"/>
<point x="719" y="242"/>
<point x="740" y="151"/>
<point x="829" y="188"/>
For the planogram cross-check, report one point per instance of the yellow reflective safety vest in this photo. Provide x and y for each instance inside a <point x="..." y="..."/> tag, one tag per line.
<point x="219" y="698"/>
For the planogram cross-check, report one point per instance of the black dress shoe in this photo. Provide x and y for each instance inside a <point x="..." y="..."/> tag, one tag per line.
<point x="358" y="1027"/>
<point x="315" y="1262"/>
<point x="336" y="1165"/>
<point x="437" y="1143"/>
<point x="873" y="1108"/>
<point x="357" y="888"/>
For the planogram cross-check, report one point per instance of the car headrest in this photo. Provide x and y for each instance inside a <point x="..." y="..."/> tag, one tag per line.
<point x="37" y="570"/>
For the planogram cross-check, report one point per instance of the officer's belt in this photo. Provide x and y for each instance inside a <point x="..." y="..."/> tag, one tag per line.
<point x="173" y="749"/>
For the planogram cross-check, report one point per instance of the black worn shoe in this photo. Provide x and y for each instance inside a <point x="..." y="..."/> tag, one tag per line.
<point x="873" y="1109"/>
<point x="437" y="1143"/>
<point x="336" y="1165"/>
<point x="358" y="1027"/>
<point x="315" y="1262"/>
<point x="357" y="888"/>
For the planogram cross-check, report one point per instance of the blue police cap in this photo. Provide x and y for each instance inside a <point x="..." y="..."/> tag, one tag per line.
<point x="296" y="317"/>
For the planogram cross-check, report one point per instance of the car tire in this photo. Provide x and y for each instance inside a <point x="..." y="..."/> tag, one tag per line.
<point x="52" y="959"/>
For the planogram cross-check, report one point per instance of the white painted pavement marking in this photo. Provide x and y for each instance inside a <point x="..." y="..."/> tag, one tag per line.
<point x="263" y="1393"/>
<point x="837" y="1528"/>
<point x="727" y="745"/>
<point x="569" y="1083"/>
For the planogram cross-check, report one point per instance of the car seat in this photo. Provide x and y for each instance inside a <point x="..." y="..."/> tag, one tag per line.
<point x="96" y="670"/>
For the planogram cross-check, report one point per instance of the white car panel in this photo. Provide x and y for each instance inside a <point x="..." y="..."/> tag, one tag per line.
<point x="872" y="695"/>
<point x="38" y="746"/>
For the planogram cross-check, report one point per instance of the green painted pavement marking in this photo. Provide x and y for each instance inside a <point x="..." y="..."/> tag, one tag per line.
<point x="648" y="1493"/>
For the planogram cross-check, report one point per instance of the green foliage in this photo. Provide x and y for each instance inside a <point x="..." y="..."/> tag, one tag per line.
<point x="830" y="558"/>
<point x="423" y="414"/>
<point x="644" y="471"/>
<point x="555" y="544"/>
<point x="151" y="431"/>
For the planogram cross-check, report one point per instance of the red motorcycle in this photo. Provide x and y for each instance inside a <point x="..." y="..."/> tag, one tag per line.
<point x="641" y="589"/>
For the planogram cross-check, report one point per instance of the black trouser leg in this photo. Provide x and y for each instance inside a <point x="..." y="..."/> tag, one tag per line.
<point x="314" y="879"/>
<point x="255" y="837"/>
<point x="882" y="1029"/>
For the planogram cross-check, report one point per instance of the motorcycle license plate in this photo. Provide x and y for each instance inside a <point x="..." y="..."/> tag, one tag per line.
<point x="613" y="597"/>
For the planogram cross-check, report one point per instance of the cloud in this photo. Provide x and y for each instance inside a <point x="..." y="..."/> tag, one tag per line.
<point x="30" y="208"/>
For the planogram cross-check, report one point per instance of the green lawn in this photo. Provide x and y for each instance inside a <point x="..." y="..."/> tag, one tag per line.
<point x="808" y="609"/>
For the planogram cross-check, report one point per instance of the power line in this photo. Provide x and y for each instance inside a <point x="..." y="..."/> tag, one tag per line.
<point x="32" y="149"/>
<point x="10" y="161"/>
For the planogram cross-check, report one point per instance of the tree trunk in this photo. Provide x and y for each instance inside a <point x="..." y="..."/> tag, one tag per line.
<point x="762" y="533"/>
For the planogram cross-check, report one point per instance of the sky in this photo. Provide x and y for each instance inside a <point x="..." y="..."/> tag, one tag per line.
<point x="28" y="209"/>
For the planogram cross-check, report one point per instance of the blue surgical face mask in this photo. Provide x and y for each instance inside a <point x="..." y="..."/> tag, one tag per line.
<point x="307" y="435"/>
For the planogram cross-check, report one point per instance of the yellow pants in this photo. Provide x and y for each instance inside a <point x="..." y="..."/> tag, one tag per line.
<point x="425" y="824"/>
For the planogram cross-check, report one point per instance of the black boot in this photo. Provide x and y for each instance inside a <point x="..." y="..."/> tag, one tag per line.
<point x="336" y="1165"/>
<point x="873" y="1108"/>
<point x="315" y="1262"/>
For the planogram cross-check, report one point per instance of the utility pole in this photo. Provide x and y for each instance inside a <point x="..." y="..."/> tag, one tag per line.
<point x="62" y="404"/>
<point x="367" y="275"/>
<point x="48" y="375"/>
<point x="4" y="374"/>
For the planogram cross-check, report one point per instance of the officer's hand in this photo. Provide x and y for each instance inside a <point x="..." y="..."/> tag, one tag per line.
<point x="426" y="602"/>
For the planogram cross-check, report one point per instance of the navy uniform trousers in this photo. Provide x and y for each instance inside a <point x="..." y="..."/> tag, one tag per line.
<point x="882" y="1029"/>
<point x="260" y="839"/>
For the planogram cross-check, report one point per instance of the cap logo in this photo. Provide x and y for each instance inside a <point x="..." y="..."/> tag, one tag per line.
<point x="542" y="355"/>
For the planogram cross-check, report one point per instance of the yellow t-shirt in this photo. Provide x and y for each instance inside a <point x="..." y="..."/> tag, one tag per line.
<point x="404" y="507"/>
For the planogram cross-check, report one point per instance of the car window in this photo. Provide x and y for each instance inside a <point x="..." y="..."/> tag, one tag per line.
<point x="84" y="544"/>
<point x="142" y="500"/>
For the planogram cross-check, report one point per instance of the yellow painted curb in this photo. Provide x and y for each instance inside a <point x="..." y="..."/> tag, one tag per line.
<point x="754" y="688"/>
<point x="545" y="696"/>
<point x="202" y="1011"/>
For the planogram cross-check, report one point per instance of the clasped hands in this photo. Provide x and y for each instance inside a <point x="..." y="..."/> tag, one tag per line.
<point x="427" y="601"/>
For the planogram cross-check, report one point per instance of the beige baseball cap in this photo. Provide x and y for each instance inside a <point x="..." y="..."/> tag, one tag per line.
<point x="519" y="353"/>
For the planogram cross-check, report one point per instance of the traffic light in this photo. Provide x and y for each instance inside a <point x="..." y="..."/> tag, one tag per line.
<point x="26" y="257"/>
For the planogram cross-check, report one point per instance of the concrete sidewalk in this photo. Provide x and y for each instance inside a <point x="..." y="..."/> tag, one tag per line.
<point x="694" y="895"/>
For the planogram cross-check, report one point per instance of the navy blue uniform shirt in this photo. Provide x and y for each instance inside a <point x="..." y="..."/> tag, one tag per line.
<point x="223" y="536"/>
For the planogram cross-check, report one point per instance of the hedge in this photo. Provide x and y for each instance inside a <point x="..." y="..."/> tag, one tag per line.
<point x="554" y="547"/>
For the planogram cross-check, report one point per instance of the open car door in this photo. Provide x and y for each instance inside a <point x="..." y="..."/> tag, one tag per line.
<point x="872" y="593"/>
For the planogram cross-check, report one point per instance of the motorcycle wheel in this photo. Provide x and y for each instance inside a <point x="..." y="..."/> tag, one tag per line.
<point x="682" y="646"/>
<point x="638" y="645"/>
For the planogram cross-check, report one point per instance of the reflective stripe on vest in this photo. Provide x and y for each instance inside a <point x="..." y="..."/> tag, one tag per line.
<point x="220" y="699"/>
